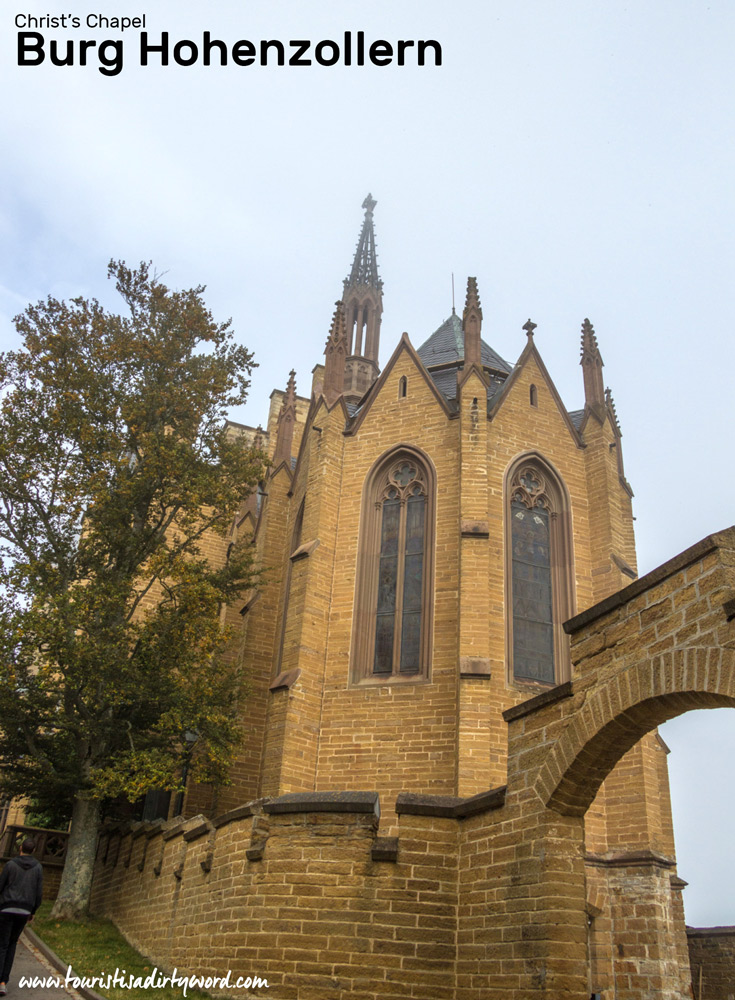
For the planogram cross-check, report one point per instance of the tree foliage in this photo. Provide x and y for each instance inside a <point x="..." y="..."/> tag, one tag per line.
<point x="116" y="464"/>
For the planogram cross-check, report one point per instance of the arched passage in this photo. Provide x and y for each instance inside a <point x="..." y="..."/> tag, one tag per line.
<point x="622" y="710"/>
<point x="662" y="646"/>
<point x="701" y="749"/>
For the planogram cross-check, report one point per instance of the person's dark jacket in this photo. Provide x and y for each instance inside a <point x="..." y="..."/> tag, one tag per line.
<point x="21" y="884"/>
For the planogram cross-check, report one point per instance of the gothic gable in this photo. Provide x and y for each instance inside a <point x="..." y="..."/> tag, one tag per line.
<point x="388" y="391"/>
<point x="531" y="378"/>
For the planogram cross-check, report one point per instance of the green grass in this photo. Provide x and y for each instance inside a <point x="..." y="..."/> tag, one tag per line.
<point x="94" y="947"/>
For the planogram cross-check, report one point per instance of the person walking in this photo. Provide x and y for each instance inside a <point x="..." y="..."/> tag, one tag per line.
<point x="21" y="889"/>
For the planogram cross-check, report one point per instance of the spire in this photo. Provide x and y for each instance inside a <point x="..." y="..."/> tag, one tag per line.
<point x="286" y="421"/>
<point x="363" y="296"/>
<point x="365" y="265"/>
<point x="336" y="351"/>
<point x="472" y="324"/>
<point x="591" y="362"/>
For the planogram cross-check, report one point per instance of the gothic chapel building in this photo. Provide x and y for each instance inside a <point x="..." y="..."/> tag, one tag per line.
<point x="432" y="526"/>
<point x="428" y="529"/>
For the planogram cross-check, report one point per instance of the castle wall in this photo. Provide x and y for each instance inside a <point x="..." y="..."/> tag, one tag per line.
<point x="712" y="958"/>
<point x="311" y="910"/>
<point x="491" y="897"/>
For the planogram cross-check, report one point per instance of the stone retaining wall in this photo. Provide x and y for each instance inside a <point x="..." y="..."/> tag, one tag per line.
<point x="712" y="960"/>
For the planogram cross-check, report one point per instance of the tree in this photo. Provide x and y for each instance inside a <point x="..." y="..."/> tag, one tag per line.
<point x="115" y="464"/>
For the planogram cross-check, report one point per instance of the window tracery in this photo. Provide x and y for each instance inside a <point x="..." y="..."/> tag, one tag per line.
<point x="393" y="607"/>
<point x="539" y="573"/>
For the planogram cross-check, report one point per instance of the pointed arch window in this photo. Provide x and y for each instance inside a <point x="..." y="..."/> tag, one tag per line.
<point x="539" y="573"/>
<point x="392" y="631"/>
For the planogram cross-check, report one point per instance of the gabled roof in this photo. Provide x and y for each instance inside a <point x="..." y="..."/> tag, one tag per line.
<point x="446" y="346"/>
<point x="531" y="352"/>
<point x="364" y="405"/>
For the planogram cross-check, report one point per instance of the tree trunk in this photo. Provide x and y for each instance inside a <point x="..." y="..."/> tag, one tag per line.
<point x="76" y="880"/>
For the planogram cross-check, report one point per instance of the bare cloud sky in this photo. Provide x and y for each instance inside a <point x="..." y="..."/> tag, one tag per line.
<point x="578" y="158"/>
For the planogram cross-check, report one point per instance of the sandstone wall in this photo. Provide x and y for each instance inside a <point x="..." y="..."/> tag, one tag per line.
<point x="294" y="894"/>
<point x="712" y="960"/>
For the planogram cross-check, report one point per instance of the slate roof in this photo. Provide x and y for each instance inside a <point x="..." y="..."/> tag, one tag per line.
<point x="443" y="353"/>
<point x="446" y="382"/>
<point x="446" y="346"/>
<point x="576" y="416"/>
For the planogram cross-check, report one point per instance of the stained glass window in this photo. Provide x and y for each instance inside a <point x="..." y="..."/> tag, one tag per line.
<point x="387" y="586"/>
<point x="540" y="573"/>
<point x="412" y="585"/>
<point x="400" y="595"/>
<point x="533" y="619"/>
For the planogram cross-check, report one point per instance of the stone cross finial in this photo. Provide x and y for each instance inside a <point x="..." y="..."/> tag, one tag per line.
<point x="529" y="327"/>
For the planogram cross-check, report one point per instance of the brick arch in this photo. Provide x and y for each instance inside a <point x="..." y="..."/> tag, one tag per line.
<point x="622" y="710"/>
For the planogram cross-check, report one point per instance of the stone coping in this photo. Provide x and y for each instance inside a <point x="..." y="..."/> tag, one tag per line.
<point x="557" y="693"/>
<point x="704" y="932"/>
<point x="338" y="802"/>
<point x="199" y="830"/>
<point x="145" y="829"/>
<point x="240" y="812"/>
<point x="449" y="806"/>
<point x="408" y="803"/>
<point x="695" y="552"/>
<point x="293" y="802"/>
<point x="175" y="827"/>
<point x="630" y="859"/>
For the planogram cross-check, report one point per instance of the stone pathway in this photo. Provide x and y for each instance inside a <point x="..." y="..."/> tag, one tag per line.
<point x="29" y="962"/>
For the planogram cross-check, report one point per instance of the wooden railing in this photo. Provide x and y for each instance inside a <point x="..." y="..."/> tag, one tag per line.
<point x="50" y="844"/>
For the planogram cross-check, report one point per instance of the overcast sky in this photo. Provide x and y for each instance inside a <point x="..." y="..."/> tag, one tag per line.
<point x="576" y="157"/>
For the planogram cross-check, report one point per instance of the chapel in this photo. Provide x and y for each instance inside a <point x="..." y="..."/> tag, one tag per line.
<point x="428" y="528"/>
